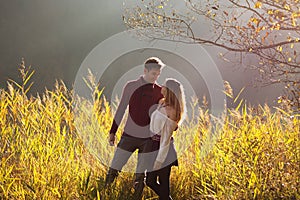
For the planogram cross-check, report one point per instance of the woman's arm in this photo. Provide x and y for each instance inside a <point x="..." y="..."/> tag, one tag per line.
<point x="165" y="141"/>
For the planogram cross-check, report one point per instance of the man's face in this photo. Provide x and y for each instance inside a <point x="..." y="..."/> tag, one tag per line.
<point x="151" y="75"/>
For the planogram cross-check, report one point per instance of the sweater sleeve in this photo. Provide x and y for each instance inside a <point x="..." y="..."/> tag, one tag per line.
<point x="165" y="140"/>
<point x="121" y="109"/>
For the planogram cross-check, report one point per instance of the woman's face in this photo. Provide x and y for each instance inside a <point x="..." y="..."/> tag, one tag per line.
<point x="164" y="91"/>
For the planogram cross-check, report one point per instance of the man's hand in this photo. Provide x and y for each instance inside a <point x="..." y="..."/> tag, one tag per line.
<point x="111" y="139"/>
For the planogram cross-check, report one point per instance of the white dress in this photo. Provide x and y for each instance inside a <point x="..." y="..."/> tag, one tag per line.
<point x="162" y="125"/>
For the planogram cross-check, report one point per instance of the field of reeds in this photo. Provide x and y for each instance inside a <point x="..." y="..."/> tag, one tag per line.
<point x="54" y="146"/>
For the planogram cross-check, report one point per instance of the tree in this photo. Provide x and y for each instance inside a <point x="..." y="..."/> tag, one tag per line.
<point x="268" y="29"/>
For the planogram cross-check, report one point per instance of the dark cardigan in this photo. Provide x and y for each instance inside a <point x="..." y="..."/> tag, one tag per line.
<point x="142" y="98"/>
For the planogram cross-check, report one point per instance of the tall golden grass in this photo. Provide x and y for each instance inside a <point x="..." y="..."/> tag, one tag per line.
<point x="49" y="150"/>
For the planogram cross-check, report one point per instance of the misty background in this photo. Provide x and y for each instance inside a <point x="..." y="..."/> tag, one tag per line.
<point x="54" y="37"/>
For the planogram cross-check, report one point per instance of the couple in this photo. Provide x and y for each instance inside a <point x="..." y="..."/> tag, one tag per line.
<point x="154" y="113"/>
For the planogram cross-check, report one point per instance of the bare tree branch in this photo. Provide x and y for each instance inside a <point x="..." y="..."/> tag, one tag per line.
<point x="267" y="29"/>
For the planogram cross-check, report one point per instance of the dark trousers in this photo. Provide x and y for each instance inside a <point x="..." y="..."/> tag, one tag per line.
<point x="161" y="188"/>
<point x="126" y="147"/>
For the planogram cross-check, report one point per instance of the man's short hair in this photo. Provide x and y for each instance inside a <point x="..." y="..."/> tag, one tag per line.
<point x="153" y="63"/>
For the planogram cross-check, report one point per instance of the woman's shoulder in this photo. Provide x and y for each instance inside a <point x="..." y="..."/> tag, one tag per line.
<point x="171" y="112"/>
<point x="161" y="101"/>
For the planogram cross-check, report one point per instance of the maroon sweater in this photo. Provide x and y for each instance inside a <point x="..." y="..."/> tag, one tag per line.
<point x="142" y="98"/>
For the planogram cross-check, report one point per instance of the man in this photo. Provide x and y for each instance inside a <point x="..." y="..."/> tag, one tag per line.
<point x="141" y="96"/>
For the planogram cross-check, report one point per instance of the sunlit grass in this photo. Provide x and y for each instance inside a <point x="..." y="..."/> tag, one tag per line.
<point x="54" y="146"/>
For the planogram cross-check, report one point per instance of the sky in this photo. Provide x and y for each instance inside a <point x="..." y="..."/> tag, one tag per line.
<point x="55" y="37"/>
<point x="52" y="36"/>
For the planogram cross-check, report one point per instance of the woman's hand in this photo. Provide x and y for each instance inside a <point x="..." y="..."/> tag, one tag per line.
<point x="111" y="139"/>
<point x="157" y="165"/>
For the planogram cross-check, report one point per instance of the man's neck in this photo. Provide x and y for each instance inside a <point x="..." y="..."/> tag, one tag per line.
<point x="145" y="80"/>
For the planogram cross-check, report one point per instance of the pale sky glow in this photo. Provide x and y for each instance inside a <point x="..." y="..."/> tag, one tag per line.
<point x="55" y="36"/>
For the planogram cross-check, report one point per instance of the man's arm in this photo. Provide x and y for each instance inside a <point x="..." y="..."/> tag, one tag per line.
<point x="119" y="114"/>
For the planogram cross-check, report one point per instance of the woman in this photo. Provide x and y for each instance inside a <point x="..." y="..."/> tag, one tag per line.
<point x="164" y="121"/>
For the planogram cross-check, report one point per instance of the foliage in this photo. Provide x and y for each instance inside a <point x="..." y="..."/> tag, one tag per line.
<point x="254" y="153"/>
<point x="267" y="29"/>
